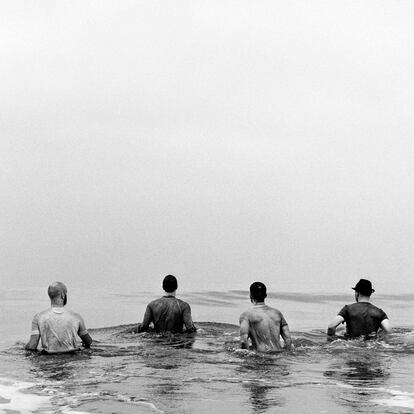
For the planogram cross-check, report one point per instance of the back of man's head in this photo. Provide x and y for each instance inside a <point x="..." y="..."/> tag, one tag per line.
<point x="56" y="289"/>
<point x="258" y="291"/>
<point x="169" y="284"/>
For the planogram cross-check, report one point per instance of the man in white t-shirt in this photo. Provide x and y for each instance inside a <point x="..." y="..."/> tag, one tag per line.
<point x="57" y="327"/>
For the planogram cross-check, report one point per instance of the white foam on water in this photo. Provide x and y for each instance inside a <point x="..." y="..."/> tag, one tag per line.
<point x="398" y="399"/>
<point x="11" y="391"/>
<point x="18" y="399"/>
<point x="149" y="405"/>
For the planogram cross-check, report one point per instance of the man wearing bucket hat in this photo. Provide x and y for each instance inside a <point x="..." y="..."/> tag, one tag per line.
<point x="362" y="318"/>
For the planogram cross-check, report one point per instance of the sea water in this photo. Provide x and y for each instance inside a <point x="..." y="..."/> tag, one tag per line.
<point x="205" y="372"/>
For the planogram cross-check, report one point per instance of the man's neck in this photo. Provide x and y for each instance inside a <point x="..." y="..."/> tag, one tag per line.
<point x="57" y="305"/>
<point x="170" y="294"/>
<point x="256" y="303"/>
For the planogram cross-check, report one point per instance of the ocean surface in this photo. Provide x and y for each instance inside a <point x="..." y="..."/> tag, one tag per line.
<point x="206" y="372"/>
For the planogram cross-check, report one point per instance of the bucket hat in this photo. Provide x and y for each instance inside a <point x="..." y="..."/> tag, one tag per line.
<point x="364" y="286"/>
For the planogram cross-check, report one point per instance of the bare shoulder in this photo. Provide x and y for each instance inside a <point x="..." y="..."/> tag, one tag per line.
<point x="246" y="315"/>
<point x="274" y="312"/>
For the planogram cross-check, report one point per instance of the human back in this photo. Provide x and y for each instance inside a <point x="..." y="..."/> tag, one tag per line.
<point x="262" y="324"/>
<point x="59" y="329"/>
<point x="168" y="313"/>
<point x="362" y="319"/>
<point x="265" y="327"/>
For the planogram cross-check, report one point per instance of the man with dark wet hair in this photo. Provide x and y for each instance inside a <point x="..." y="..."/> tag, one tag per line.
<point x="57" y="327"/>
<point x="168" y="314"/>
<point x="362" y="318"/>
<point x="262" y="324"/>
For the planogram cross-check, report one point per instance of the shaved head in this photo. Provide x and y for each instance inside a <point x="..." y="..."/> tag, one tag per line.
<point x="56" y="289"/>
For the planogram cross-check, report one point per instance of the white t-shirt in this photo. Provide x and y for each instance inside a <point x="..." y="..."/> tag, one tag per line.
<point x="58" y="329"/>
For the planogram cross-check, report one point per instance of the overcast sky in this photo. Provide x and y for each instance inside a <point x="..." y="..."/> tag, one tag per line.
<point x="221" y="141"/>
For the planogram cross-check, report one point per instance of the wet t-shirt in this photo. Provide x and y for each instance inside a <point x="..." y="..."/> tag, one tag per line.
<point x="265" y="325"/>
<point x="58" y="329"/>
<point x="362" y="318"/>
<point x="168" y="314"/>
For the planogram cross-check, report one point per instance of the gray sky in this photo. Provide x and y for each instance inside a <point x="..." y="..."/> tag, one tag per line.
<point x="222" y="141"/>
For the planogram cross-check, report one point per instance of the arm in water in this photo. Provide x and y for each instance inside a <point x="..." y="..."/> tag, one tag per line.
<point x="386" y="326"/>
<point x="244" y="333"/>
<point x="86" y="340"/>
<point x="143" y="327"/>
<point x="332" y="326"/>
<point x="286" y="337"/>
<point x="188" y="321"/>
<point x="33" y="342"/>
<point x="83" y="334"/>
<point x="34" y="336"/>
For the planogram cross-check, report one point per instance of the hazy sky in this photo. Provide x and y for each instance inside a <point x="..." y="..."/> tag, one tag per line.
<point x="221" y="141"/>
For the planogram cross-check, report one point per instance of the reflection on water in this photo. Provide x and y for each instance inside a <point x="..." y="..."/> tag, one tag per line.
<point x="366" y="370"/>
<point x="207" y="373"/>
<point x="167" y="340"/>
<point x="167" y="360"/>
<point x="371" y="372"/>
<point x="360" y="372"/>
<point x="57" y="367"/>
<point x="262" y="397"/>
<point x="263" y="376"/>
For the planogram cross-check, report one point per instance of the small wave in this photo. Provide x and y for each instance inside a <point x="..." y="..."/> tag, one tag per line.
<point x="213" y="337"/>
<point x="113" y="402"/>
<point x="401" y="341"/>
<point x="14" y="397"/>
<point x="397" y="399"/>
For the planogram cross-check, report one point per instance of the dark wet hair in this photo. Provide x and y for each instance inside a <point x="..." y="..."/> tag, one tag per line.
<point x="169" y="284"/>
<point x="258" y="291"/>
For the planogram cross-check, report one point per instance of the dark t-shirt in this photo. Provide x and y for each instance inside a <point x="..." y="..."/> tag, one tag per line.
<point x="168" y="314"/>
<point x="362" y="318"/>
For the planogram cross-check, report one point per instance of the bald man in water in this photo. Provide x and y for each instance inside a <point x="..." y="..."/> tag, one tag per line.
<point x="262" y="324"/>
<point x="57" y="327"/>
